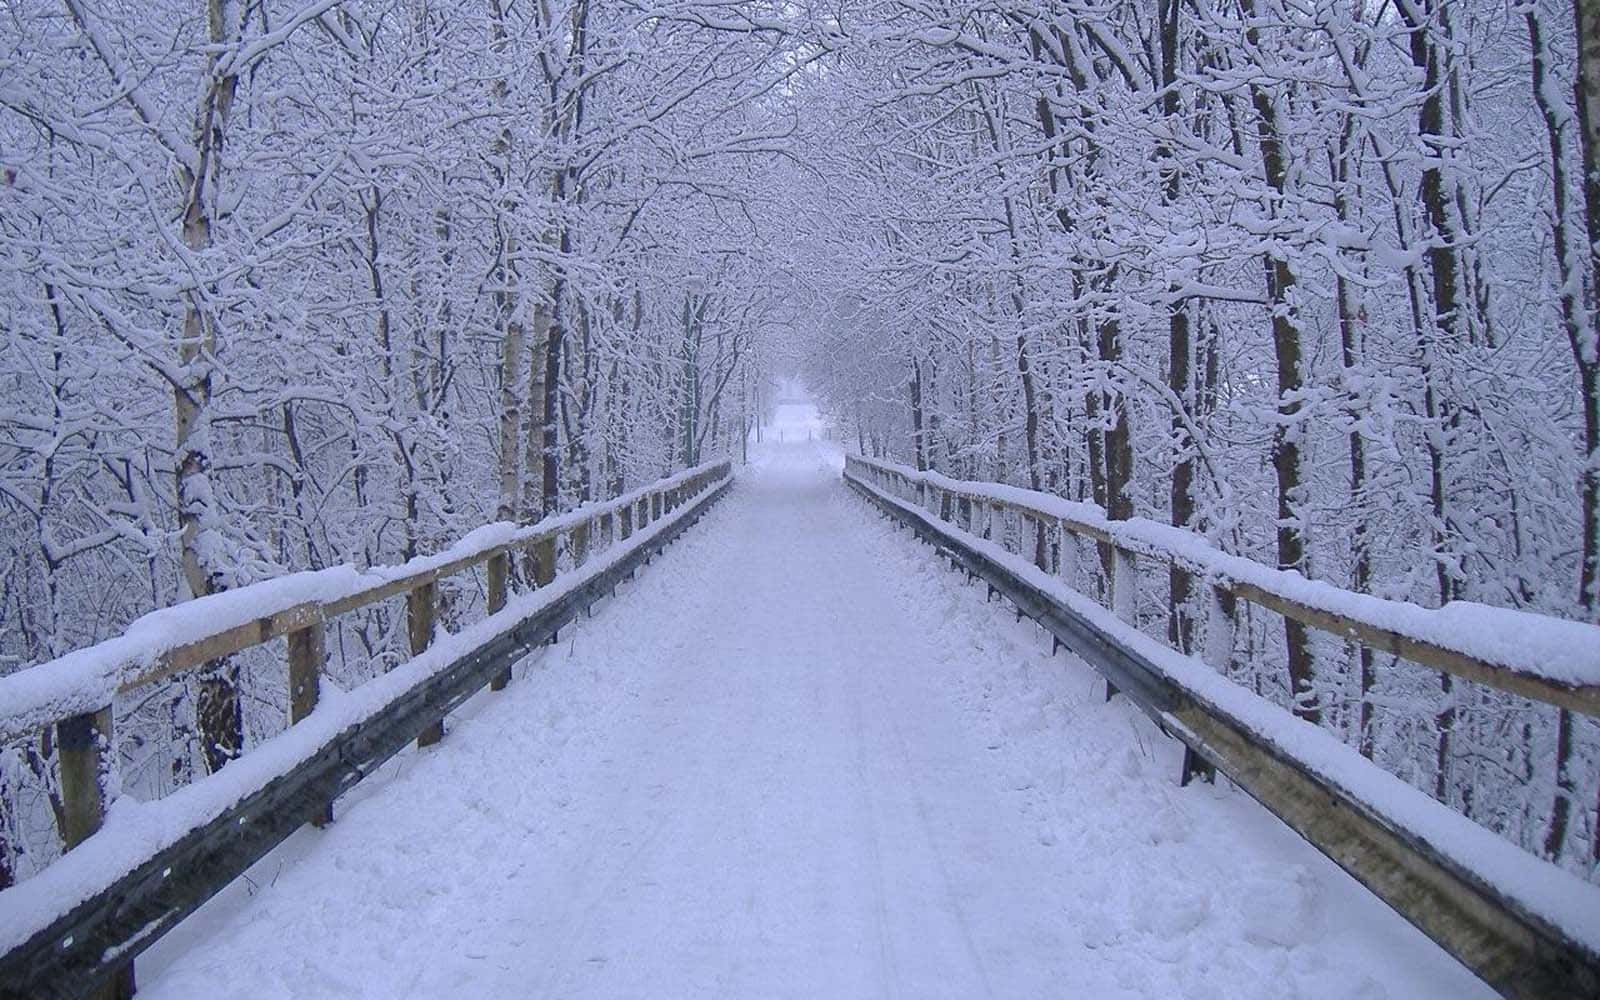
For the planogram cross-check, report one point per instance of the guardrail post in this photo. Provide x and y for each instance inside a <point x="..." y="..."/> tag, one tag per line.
<point x="655" y="506"/>
<point x="308" y="654"/>
<point x="579" y="541"/>
<point x="83" y="755"/>
<point x="1124" y="594"/>
<point x="419" y="628"/>
<point x="1222" y="605"/>
<point x="544" y="561"/>
<point x="499" y="571"/>
<point x="626" y="521"/>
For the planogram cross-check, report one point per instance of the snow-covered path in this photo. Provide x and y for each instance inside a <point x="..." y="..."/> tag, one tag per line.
<point x="796" y="758"/>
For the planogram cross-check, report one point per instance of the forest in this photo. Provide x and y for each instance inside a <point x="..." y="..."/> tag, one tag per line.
<point x="295" y="284"/>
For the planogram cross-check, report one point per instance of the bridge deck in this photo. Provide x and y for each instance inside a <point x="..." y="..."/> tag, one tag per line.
<point x="797" y="758"/>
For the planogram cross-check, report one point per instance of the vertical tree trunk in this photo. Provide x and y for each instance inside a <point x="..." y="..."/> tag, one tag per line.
<point x="1351" y="356"/>
<point x="1289" y="427"/>
<point x="510" y="414"/>
<point x="550" y="452"/>
<point x="1444" y="265"/>
<point x="1030" y="437"/>
<point x="1587" y="347"/>
<point x="1579" y="323"/>
<point x="1587" y="15"/>
<point x="916" y="417"/>
<point x="539" y="393"/>
<point x="217" y="707"/>
<point x="1180" y="350"/>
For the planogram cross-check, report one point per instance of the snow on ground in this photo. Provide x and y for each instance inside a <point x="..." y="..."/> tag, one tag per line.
<point x="794" y="421"/>
<point x="797" y="758"/>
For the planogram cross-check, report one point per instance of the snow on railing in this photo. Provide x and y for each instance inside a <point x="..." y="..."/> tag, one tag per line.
<point x="1547" y="659"/>
<point x="196" y="632"/>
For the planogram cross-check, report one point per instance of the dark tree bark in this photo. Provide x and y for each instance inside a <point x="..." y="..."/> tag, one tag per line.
<point x="1286" y="346"/>
<point x="1180" y="350"/>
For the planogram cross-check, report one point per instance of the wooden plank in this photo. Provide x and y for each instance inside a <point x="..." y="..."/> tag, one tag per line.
<point x="226" y="643"/>
<point x="1582" y="698"/>
<point x="380" y="592"/>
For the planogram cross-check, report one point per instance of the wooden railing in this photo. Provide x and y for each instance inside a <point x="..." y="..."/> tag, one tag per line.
<point x="1523" y="925"/>
<point x="63" y="932"/>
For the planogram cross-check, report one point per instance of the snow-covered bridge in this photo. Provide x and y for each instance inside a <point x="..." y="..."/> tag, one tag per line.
<point x="795" y="757"/>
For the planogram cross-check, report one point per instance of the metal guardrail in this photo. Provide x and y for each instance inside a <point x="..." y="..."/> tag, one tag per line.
<point x="1505" y="942"/>
<point x="94" y="942"/>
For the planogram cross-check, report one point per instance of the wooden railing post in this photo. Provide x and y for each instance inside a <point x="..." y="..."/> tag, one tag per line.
<point x="579" y="540"/>
<point x="84" y="755"/>
<point x="544" y="561"/>
<point x="419" y="628"/>
<point x="626" y="521"/>
<point x="308" y="654"/>
<point x="1222" y="606"/>
<point x="1218" y="652"/>
<point x="1124" y="594"/>
<point x="655" y="506"/>
<point x="499" y="572"/>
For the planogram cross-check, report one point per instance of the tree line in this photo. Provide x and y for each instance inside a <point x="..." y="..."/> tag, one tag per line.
<point x="294" y="284"/>
<point x="1316" y="281"/>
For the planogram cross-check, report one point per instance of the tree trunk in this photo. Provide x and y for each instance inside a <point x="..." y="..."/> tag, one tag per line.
<point x="1289" y="426"/>
<point x="916" y="417"/>
<point x="1579" y="322"/>
<point x="217" y="707"/>
<point x="1180" y="350"/>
